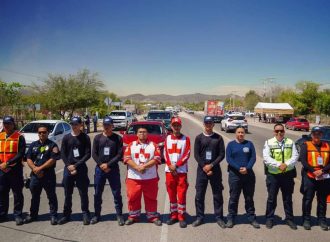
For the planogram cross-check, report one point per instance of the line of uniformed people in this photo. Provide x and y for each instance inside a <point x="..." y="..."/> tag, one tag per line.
<point x="280" y="156"/>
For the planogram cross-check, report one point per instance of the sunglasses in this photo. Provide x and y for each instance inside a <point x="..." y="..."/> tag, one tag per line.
<point x="42" y="132"/>
<point x="279" y="130"/>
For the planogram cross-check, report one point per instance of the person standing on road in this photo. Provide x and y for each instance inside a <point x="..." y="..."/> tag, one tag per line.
<point x="76" y="150"/>
<point x="177" y="153"/>
<point x="95" y="119"/>
<point x="107" y="152"/>
<point x="41" y="158"/>
<point x="314" y="156"/>
<point x="88" y="122"/>
<point x="280" y="156"/>
<point x="241" y="156"/>
<point x="209" y="151"/>
<point x="142" y="158"/>
<point x="12" y="150"/>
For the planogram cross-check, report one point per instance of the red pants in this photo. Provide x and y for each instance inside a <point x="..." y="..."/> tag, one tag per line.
<point x="149" y="189"/>
<point x="177" y="187"/>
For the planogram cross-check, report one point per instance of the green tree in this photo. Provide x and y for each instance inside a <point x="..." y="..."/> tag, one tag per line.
<point x="251" y="99"/>
<point x="308" y="94"/>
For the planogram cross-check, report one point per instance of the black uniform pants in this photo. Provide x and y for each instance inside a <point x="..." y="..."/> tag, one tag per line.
<point x="81" y="180"/>
<point x="12" y="180"/>
<point x="48" y="183"/>
<point x="274" y="184"/>
<point x="100" y="179"/>
<point x="308" y="188"/>
<point x="202" y="181"/>
<point x="237" y="183"/>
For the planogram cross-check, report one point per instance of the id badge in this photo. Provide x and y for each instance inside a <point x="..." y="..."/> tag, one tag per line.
<point x="75" y="153"/>
<point x="142" y="158"/>
<point x="208" y="155"/>
<point x="106" y="151"/>
<point x="320" y="160"/>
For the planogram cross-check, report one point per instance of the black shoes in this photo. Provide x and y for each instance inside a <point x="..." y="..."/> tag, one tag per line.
<point x="19" y="220"/>
<point x="64" y="220"/>
<point x="171" y="221"/>
<point x="307" y="225"/>
<point x="29" y="219"/>
<point x="95" y="219"/>
<point x="53" y="220"/>
<point x="197" y="222"/>
<point x="183" y="224"/>
<point x="230" y="223"/>
<point x="157" y="222"/>
<point x="291" y="224"/>
<point x="3" y="218"/>
<point x="120" y="220"/>
<point x="255" y="224"/>
<point x="323" y="225"/>
<point x="269" y="224"/>
<point x="86" y="219"/>
<point x="221" y="223"/>
<point x="129" y="221"/>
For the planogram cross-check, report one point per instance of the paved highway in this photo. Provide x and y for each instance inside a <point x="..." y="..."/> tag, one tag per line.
<point x="108" y="230"/>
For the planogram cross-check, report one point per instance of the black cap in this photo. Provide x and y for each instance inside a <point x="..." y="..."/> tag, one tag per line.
<point x="8" y="120"/>
<point x="208" y="119"/>
<point x="107" y="121"/>
<point x="317" y="129"/>
<point x="75" y="120"/>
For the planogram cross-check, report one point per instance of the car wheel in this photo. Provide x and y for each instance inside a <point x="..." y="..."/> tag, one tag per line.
<point x="247" y="131"/>
<point x="227" y="130"/>
<point x="221" y="127"/>
<point x="294" y="128"/>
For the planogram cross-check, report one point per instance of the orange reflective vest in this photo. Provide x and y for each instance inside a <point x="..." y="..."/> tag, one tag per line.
<point x="315" y="157"/>
<point x="8" y="146"/>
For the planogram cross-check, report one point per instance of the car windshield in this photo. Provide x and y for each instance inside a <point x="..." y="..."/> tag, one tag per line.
<point x="33" y="127"/>
<point x="237" y="117"/>
<point x="326" y="134"/>
<point x="152" y="129"/>
<point x="117" y="114"/>
<point x="302" y="120"/>
<point x="160" y="115"/>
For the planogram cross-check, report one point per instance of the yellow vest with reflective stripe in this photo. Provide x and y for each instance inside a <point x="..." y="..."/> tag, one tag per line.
<point x="280" y="154"/>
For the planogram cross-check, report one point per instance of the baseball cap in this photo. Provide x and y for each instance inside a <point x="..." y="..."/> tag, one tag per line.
<point x="8" y="120"/>
<point x="107" y="120"/>
<point x="176" y="120"/>
<point x="208" y="119"/>
<point x="75" y="120"/>
<point x="317" y="129"/>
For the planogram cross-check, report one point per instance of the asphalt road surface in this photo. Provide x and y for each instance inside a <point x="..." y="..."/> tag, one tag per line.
<point x="108" y="230"/>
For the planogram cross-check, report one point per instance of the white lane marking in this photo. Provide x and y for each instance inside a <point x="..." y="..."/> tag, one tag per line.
<point x="164" y="232"/>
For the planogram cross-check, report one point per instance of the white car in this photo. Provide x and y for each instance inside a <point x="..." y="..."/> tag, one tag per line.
<point x="121" y="119"/>
<point x="57" y="130"/>
<point x="231" y="121"/>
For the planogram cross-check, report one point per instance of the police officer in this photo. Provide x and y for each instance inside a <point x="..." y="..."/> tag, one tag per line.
<point x="76" y="150"/>
<point x="241" y="156"/>
<point x="41" y="158"/>
<point x="107" y="152"/>
<point x="12" y="150"/>
<point x="209" y="151"/>
<point x="314" y="156"/>
<point x="280" y="156"/>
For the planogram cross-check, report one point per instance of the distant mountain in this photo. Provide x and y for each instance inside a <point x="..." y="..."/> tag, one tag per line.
<point x="164" y="98"/>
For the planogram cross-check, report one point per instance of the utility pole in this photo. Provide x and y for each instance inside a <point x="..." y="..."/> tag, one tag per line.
<point x="267" y="83"/>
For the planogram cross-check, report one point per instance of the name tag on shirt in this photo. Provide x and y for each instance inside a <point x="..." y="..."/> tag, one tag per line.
<point x="208" y="155"/>
<point x="246" y="150"/>
<point x="75" y="153"/>
<point x="320" y="160"/>
<point x="106" y="151"/>
<point x="324" y="176"/>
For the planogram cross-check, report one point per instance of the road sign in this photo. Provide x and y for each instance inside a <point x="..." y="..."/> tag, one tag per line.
<point x="107" y="101"/>
<point x="117" y="104"/>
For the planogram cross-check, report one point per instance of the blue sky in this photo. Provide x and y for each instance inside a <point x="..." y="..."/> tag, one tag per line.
<point x="173" y="47"/>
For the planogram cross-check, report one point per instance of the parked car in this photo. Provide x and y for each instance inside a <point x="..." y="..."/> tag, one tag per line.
<point x="231" y="121"/>
<point x="190" y="111"/>
<point x="297" y="124"/>
<point x="161" y="115"/>
<point x="121" y="119"/>
<point x="157" y="133"/>
<point x="57" y="130"/>
<point x="307" y="137"/>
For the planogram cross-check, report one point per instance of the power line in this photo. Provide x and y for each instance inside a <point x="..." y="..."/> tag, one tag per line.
<point x="22" y="73"/>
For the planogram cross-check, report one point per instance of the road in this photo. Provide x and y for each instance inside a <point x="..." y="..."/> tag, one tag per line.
<point x="108" y="230"/>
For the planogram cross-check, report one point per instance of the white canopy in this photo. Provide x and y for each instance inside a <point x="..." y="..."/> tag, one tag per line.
<point x="273" y="108"/>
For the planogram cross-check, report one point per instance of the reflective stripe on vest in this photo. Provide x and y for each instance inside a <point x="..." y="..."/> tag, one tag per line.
<point x="280" y="154"/>
<point x="313" y="153"/>
<point x="8" y="146"/>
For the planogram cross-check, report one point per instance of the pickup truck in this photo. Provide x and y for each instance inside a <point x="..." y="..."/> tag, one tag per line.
<point x="121" y="119"/>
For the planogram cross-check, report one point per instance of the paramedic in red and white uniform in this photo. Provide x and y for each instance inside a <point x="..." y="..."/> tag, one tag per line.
<point x="176" y="153"/>
<point x="142" y="158"/>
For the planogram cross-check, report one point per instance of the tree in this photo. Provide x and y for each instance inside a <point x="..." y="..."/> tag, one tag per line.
<point x="251" y="99"/>
<point x="322" y="104"/>
<point x="10" y="96"/>
<point x="308" y="94"/>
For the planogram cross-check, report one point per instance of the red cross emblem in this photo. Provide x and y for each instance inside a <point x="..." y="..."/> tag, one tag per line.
<point x="174" y="149"/>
